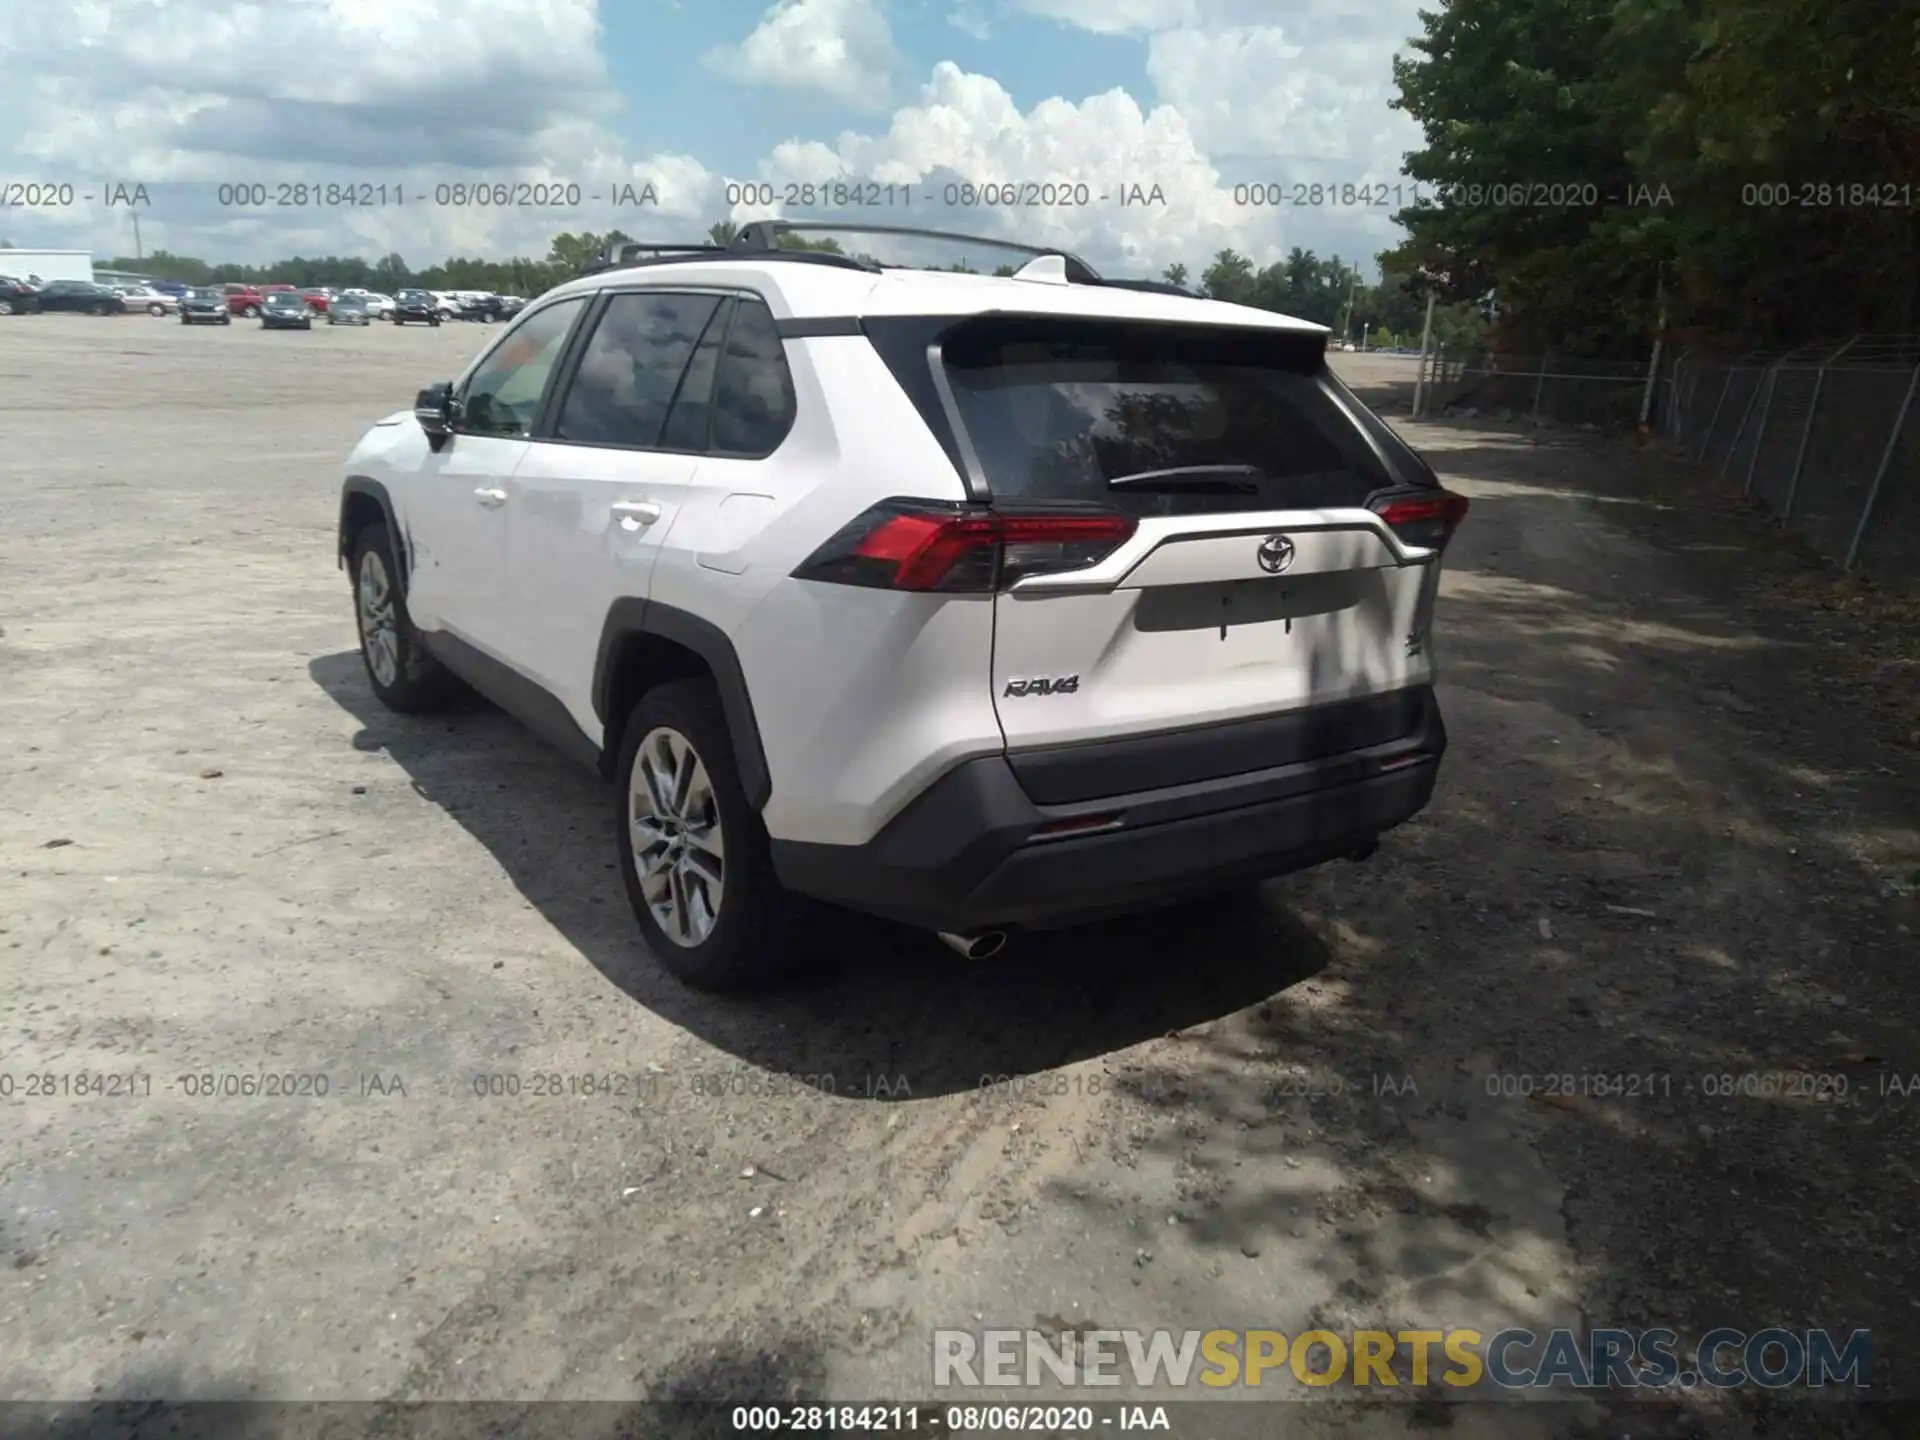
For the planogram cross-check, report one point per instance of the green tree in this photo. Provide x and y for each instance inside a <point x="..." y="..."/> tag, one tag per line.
<point x="1229" y="277"/>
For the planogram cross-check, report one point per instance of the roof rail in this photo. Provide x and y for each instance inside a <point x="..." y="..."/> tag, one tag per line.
<point x="760" y="237"/>
<point x="633" y="253"/>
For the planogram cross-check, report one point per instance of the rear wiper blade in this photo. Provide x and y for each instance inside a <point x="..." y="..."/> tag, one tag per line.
<point x="1221" y="479"/>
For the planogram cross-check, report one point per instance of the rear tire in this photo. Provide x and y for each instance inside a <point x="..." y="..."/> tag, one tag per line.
<point x="405" y="678"/>
<point x="712" y="909"/>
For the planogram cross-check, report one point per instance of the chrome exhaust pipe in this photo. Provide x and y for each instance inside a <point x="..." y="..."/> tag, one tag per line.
<point x="976" y="947"/>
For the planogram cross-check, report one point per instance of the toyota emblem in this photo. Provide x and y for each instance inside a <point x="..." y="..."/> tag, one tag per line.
<point x="1276" y="554"/>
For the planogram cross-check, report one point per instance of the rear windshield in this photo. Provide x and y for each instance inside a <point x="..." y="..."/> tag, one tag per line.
<point x="1241" y="419"/>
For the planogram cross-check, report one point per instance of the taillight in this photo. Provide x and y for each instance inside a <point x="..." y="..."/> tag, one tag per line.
<point x="1425" y="521"/>
<point x="963" y="549"/>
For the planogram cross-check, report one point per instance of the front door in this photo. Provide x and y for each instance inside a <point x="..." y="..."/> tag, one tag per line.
<point x="460" y="565"/>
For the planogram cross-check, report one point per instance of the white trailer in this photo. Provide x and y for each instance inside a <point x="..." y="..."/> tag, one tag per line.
<point x="47" y="264"/>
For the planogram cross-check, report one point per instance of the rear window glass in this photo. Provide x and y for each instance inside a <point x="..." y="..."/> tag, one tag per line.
<point x="1244" y="421"/>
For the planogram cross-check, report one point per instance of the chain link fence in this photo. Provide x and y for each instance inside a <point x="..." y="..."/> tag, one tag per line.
<point x="1827" y="437"/>
<point x="1547" y="389"/>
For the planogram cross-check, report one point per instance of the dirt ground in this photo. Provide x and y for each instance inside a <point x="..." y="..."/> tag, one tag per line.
<point x="1677" y="837"/>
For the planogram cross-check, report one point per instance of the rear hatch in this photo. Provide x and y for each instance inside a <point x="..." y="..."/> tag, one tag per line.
<point x="1251" y="542"/>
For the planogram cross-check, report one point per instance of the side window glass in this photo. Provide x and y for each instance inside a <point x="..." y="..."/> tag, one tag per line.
<point x="753" y="404"/>
<point x="691" y="420"/>
<point x="503" y="395"/>
<point x="631" y="368"/>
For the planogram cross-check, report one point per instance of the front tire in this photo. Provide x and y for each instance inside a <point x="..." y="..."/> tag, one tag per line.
<point x="692" y="851"/>
<point x="405" y="678"/>
<point x="156" y="310"/>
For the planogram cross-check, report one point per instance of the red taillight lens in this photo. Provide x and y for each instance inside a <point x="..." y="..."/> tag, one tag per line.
<point x="1426" y="521"/>
<point x="956" y="549"/>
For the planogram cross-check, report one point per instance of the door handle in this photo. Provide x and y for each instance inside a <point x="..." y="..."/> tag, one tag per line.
<point x="492" y="499"/>
<point x="635" y="514"/>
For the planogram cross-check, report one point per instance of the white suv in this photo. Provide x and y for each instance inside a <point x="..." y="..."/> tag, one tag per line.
<point x="984" y="604"/>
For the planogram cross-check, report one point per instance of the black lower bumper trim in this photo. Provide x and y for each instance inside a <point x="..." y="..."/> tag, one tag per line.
<point x="971" y="853"/>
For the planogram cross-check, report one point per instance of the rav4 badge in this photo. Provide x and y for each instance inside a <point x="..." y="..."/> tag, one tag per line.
<point x="1062" y="685"/>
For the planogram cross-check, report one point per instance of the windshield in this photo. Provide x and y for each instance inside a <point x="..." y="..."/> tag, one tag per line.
<point x="284" y="302"/>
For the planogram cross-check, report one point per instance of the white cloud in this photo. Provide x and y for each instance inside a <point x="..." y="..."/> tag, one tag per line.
<point x="1274" y="90"/>
<point x="185" y="99"/>
<point x="969" y="21"/>
<point x="1260" y="90"/>
<point x="967" y="128"/>
<point x="842" y="49"/>
<point x="1117" y="17"/>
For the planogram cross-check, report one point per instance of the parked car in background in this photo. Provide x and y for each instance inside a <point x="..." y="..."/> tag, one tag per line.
<point x="80" y="296"/>
<point x="446" y="303"/>
<point x="349" y="310"/>
<point x="205" y="305"/>
<point x="318" y="297"/>
<point x="511" y="305"/>
<point x="17" y="297"/>
<point x="244" y="300"/>
<point x="285" y="310"/>
<point x="278" y="289"/>
<point x="415" y="307"/>
<point x="174" y="288"/>
<point x="145" y="297"/>
<point x="380" y="307"/>
<point x="477" y="306"/>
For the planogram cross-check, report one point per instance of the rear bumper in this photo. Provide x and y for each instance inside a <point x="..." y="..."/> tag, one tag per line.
<point x="974" y="852"/>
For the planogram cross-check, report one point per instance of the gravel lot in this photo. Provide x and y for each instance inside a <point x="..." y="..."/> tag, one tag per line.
<point x="1660" y="848"/>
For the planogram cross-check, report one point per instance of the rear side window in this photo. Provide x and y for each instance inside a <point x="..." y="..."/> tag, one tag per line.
<point x="1158" y="420"/>
<point x="631" y="368"/>
<point x="691" y="420"/>
<point x="753" y="404"/>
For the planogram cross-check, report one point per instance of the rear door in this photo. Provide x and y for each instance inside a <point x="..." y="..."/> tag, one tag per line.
<point x="600" y="488"/>
<point x="1256" y="580"/>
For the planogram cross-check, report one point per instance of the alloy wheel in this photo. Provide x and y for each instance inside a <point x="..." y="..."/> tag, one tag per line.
<point x="679" y="848"/>
<point x="379" y="625"/>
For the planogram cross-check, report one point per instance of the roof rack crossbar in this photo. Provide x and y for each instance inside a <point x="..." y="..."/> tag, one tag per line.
<point x="759" y="237"/>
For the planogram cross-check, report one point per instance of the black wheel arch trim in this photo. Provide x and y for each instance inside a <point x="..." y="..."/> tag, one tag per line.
<point x="356" y="485"/>
<point x="633" y="616"/>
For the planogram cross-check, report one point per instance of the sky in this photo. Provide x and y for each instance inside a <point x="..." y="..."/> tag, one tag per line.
<point x="1137" y="133"/>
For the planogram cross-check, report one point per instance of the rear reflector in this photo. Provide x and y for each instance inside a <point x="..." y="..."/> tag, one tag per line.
<point x="1426" y="521"/>
<point x="963" y="549"/>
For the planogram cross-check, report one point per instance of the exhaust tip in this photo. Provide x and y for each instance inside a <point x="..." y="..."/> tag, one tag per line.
<point x="983" y="946"/>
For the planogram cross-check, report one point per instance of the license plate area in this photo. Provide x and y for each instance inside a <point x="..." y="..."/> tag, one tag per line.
<point x="1225" y="606"/>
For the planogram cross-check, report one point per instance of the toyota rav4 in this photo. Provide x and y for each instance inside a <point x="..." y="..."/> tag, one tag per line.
<point x="985" y="604"/>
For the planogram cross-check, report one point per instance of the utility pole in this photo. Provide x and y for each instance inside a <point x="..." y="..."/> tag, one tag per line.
<point x="1426" y="339"/>
<point x="1346" y="326"/>
<point x="1653" y="366"/>
<point x="139" y="254"/>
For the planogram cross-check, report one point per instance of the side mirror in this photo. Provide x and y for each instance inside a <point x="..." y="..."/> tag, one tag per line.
<point x="433" y="408"/>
